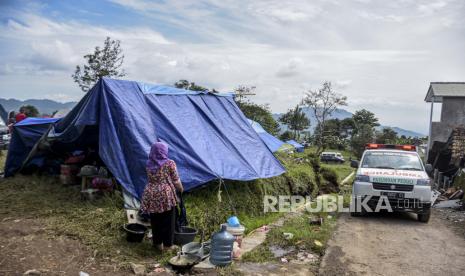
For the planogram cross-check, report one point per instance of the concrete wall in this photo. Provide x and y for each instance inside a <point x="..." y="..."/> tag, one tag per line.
<point x="452" y="116"/>
<point x="440" y="132"/>
<point x="453" y="111"/>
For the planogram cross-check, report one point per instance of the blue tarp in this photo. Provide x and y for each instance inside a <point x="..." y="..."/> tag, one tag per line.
<point x="208" y="135"/>
<point x="298" y="147"/>
<point x="24" y="136"/>
<point x="270" y="141"/>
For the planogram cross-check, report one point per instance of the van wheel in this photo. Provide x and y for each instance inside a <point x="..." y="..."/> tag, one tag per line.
<point x="424" y="217"/>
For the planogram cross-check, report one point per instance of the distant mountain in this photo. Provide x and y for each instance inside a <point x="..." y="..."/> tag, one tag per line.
<point x="343" y="114"/>
<point x="401" y="131"/>
<point x="44" y="106"/>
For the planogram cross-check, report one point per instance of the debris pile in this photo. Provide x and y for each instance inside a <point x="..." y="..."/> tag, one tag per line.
<point x="291" y="255"/>
<point x="447" y="156"/>
<point x="451" y="193"/>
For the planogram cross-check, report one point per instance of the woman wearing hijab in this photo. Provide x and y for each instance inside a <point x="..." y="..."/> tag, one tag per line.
<point x="159" y="197"/>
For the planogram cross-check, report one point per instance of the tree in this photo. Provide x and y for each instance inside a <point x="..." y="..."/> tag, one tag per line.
<point x="106" y="61"/>
<point x="386" y="136"/>
<point x="364" y="130"/>
<point x="334" y="133"/>
<point x="185" y="84"/>
<point x="30" y="110"/>
<point x="363" y="136"/>
<point x="347" y="126"/>
<point x="260" y="114"/>
<point x="323" y="102"/>
<point x="242" y="92"/>
<point x="295" y="120"/>
<point x="286" y="136"/>
<point x="364" y="117"/>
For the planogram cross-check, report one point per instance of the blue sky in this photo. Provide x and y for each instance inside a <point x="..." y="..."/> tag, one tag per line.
<point x="381" y="54"/>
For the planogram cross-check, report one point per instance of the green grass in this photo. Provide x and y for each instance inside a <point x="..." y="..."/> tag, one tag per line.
<point x="261" y="254"/>
<point x="98" y="224"/>
<point x="304" y="235"/>
<point x="206" y="212"/>
<point x="342" y="170"/>
<point x="3" y="154"/>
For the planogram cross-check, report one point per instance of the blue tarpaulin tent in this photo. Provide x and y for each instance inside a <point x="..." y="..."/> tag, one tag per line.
<point x="24" y="136"/>
<point x="298" y="147"/>
<point x="270" y="141"/>
<point x="208" y="136"/>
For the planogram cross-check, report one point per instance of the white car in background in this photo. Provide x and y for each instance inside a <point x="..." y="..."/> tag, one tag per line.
<point x="392" y="175"/>
<point x="4" y="135"/>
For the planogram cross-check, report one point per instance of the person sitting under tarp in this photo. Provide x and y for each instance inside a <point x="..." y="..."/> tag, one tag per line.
<point x="159" y="198"/>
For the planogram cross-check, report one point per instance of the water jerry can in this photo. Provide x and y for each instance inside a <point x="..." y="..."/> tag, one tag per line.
<point x="222" y="247"/>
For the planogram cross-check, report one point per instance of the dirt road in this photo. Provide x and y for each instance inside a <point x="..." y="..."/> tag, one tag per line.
<point x="394" y="244"/>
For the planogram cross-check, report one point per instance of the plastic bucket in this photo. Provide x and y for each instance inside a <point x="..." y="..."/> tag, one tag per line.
<point x="135" y="232"/>
<point x="186" y="235"/>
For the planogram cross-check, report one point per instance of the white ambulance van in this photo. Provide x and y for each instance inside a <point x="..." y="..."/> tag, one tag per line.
<point x="393" y="178"/>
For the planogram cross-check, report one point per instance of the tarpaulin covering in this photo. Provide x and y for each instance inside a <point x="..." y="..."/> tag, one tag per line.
<point x="24" y="136"/>
<point x="207" y="134"/>
<point x="270" y="141"/>
<point x="298" y="147"/>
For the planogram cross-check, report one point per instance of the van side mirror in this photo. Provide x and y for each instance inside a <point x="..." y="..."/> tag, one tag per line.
<point x="429" y="169"/>
<point x="354" y="164"/>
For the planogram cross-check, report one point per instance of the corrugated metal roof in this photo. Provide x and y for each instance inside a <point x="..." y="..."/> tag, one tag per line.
<point x="438" y="90"/>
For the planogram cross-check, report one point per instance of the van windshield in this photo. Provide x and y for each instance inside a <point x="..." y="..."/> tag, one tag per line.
<point x="392" y="160"/>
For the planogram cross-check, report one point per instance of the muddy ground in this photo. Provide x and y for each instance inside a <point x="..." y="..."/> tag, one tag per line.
<point x="395" y="244"/>
<point x="26" y="245"/>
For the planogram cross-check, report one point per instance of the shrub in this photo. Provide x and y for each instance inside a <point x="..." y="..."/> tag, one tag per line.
<point x="330" y="182"/>
<point x="329" y="174"/>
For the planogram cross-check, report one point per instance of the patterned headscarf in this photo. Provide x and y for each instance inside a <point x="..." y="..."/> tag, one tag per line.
<point x="158" y="157"/>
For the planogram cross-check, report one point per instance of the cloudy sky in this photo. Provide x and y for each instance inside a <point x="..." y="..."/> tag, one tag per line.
<point x="381" y="54"/>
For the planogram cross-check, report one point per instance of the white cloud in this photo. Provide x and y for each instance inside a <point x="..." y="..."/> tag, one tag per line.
<point x="431" y="7"/>
<point x="284" y="11"/>
<point x="342" y="84"/>
<point x="373" y="51"/>
<point x="387" y="17"/>
<point x="291" y="68"/>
